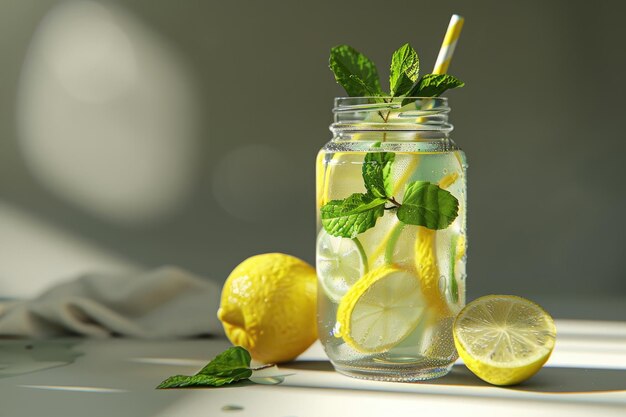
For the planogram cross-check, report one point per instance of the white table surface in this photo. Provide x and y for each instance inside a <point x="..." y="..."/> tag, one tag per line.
<point x="586" y="376"/>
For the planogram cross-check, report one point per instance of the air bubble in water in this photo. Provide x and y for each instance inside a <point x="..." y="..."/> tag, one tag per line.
<point x="442" y="284"/>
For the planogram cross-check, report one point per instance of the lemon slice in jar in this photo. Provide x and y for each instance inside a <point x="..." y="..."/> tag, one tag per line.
<point x="381" y="309"/>
<point x="340" y="263"/>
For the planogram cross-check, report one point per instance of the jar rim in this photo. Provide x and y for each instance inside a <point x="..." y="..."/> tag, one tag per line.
<point x="392" y="97"/>
<point x="372" y="113"/>
<point x="389" y="100"/>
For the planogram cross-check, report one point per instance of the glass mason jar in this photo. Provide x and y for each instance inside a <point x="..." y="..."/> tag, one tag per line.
<point x="391" y="217"/>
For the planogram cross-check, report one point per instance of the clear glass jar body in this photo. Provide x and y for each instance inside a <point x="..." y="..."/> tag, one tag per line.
<point x="387" y="296"/>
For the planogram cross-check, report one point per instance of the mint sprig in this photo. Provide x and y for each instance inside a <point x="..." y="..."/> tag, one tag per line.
<point x="433" y="85"/>
<point x="366" y="89"/>
<point x="358" y="75"/>
<point x="404" y="70"/>
<point x="352" y="215"/>
<point x="201" y="380"/>
<point x="232" y="361"/>
<point x="423" y="203"/>
<point x="377" y="173"/>
<point x="359" y="212"/>
<point x="228" y="367"/>
<point x="354" y="71"/>
<point x="428" y="205"/>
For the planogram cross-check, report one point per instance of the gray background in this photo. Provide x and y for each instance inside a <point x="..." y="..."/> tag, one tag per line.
<point x="540" y="120"/>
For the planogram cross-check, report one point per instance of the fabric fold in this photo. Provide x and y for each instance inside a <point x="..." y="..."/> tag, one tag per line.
<point x="167" y="302"/>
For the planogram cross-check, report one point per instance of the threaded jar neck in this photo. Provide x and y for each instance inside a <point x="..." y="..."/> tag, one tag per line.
<point x="391" y="114"/>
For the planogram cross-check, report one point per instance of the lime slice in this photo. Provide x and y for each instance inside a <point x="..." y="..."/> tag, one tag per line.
<point x="380" y="310"/>
<point x="339" y="264"/>
<point x="504" y="339"/>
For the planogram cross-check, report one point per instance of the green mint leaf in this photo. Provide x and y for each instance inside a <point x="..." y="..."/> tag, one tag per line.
<point x="404" y="70"/>
<point x="433" y="85"/>
<point x="203" y="380"/>
<point x="232" y="359"/>
<point x="353" y="215"/>
<point x="377" y="173"/>
<point x="368" y="91"/>
<point x="428" y="205"/>
<point x="355" y="72"/>
<point x="230" y="366"/>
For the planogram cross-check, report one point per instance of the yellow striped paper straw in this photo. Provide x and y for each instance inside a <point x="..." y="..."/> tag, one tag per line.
<point x="448" y="45"/>
<point x="441" y="66"/>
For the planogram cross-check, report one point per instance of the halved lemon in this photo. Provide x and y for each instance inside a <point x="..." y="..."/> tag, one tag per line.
<point x="381" y="309"/>
<point x="504" y="339"/>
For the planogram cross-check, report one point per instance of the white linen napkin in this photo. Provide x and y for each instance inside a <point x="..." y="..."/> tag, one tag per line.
<point x="164" y="303"/>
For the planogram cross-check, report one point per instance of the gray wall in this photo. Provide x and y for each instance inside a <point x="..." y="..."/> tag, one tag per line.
<point x="540" y="119"/>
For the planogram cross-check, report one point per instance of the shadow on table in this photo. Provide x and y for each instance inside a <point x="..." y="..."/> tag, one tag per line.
<point x="309" y="366"/>
<point x="548" y="380"/>
<point x="575" y="380"/>
<point x="21" y="357"/>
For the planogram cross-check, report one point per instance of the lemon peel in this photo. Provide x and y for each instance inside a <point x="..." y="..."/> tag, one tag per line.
<point x="426" y="260"/>
<point x="268" y="306"/>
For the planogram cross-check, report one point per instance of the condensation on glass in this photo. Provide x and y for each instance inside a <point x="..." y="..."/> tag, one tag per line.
<point x="388" y="296"/>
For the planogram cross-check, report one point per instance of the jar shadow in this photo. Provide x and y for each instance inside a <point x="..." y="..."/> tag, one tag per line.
<point x="548" y="380"/>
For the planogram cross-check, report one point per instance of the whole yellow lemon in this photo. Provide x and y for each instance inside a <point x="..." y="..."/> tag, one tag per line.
<point x="268" y="306"/>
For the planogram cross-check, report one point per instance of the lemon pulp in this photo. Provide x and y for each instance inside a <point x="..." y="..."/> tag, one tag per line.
<point x="504" y="339"/>
<point x="381" y="309"/>
<point x="340" y="264"/>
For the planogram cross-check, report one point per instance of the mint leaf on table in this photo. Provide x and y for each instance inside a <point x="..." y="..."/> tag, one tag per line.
<point x="433" y="85"/>
<point x="202" y="380"/>
<point x="352" y="215"/>
<point x="428" y="205"/>
<point x="355" y="72"/>
<point x="404" y="70"/>
<point x="230" y="366"/>
<point x="377" y="173"/>
<point x="231" y="360"/>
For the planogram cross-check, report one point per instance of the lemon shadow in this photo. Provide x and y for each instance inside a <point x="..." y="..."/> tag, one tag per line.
<point x="548" y="380"/>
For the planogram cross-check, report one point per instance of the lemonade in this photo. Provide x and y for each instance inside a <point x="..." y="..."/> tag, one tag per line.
<point x="389" y="290"/>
